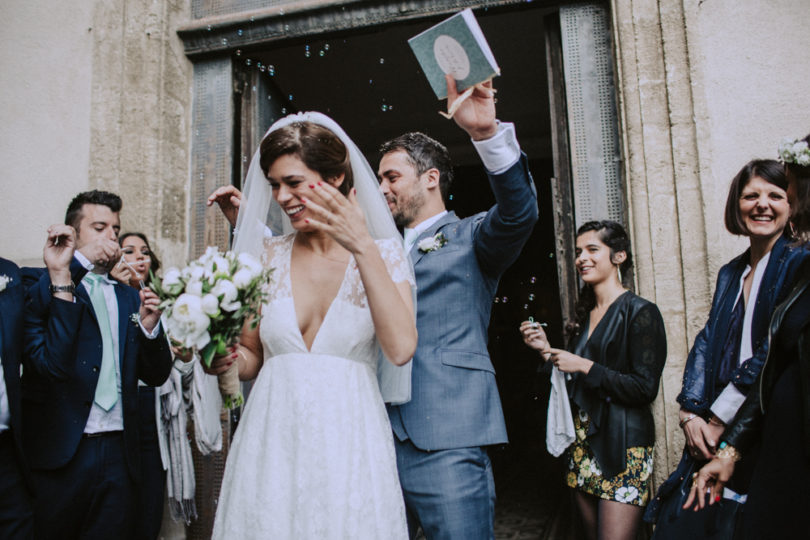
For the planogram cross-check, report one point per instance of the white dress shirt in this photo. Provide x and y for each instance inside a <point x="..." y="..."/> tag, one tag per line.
<point x="100" y="420"/>
<point x="5" y="412"/>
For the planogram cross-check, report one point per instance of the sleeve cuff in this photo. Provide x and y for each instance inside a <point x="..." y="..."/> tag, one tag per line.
<point x="149" y="335"/>
<point x="727" y="403"/>
<point x="500" y="151"/>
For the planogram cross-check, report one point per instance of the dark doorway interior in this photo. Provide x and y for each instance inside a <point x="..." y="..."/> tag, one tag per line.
<point x="370" y="83"/>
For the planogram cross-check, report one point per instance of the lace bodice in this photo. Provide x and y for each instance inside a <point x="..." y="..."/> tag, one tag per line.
<point x="347" y="329"/>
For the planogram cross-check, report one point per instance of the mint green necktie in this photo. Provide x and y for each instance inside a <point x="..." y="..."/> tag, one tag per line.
<point x="107" y="387"/>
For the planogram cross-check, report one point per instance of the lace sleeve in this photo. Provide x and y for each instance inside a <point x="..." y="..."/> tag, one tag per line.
<point x="396" y="260"/>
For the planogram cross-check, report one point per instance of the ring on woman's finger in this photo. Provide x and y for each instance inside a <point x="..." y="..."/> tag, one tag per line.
<point x="694" y="476"/>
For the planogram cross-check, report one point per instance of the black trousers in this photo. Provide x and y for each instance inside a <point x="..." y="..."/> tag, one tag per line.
<point x="92" y="497"/>
<point x="152" y="486"/>
<point x="16" y="510"/>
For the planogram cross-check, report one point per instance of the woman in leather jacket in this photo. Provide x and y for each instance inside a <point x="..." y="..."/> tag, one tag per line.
<point x="615" y="357"/>
<point x="776" y="412"/>
<point x="730" y="350"/>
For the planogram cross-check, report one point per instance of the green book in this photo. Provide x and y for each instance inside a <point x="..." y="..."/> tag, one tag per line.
<point x="456" y="46"/>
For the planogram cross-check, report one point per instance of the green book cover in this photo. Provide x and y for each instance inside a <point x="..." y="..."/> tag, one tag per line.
<point x="456" y="46"/>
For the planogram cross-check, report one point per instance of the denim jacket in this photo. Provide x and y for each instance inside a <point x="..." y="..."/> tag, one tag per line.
<point x="698" y="390"/>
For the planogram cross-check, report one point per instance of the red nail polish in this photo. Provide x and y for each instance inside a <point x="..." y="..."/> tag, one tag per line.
<point x="312" y="186"/>
<point x="320" y="183"/>
<point x="303" y="199"/>
<point x="717" y="498"/>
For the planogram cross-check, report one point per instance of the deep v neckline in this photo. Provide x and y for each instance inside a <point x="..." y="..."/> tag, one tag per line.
<point x="300" y="334"/>
<point x="589" y="334"/>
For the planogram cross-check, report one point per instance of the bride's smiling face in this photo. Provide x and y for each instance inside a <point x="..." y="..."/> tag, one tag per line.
<point x="291" y="179"/>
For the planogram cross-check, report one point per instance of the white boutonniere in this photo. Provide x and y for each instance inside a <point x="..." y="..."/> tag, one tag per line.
<point x="135" y="318"/>
<point x="435" y="242"/>
<point x="4" y="281"/>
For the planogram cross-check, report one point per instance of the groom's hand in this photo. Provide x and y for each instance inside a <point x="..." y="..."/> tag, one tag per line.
<point x="476" y="115"/>
<point x="229" y="199"/>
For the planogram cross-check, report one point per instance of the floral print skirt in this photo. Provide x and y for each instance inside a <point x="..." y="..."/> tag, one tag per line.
<point x="632" y="486"/>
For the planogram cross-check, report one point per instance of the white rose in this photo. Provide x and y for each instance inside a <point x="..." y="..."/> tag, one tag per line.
<point x="246" y="260"/>
<point x="799" y="147"/>
<point x="171" y="277"/>
<point x="187" y="323"/>
<point x="242" y="278"/>
<point x="227" y="290"/>
<point x="210" y="304"/>
<point x="194" y="272"/>
<point x="194" y="287"/>
<point x="210" y="253"/>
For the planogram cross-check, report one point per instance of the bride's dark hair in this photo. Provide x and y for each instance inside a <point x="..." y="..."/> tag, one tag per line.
<point x="319" y="149"/>
<point x="614" y="236"/>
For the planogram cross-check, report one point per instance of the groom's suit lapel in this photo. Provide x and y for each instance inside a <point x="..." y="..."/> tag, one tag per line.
<point x="416" y="253"/>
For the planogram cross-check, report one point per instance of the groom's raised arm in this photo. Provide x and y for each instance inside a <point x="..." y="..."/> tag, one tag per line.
<point x="506" y="227"/>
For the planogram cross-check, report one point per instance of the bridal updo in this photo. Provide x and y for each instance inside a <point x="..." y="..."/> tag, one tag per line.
<point x="317" y="147"/>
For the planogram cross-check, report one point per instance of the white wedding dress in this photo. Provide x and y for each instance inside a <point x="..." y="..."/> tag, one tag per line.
<point x="313" y="456"/>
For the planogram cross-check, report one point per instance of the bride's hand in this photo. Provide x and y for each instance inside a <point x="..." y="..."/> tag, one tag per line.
<point x="340" y="217"/>
<point x="221" y="364"/>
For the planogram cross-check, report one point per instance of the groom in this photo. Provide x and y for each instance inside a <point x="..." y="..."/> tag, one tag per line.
<point x="455" y="411"/>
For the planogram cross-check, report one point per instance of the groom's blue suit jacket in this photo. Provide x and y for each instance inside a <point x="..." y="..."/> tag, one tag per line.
<point x="455" y="401"/>
<point x="63" y="357"/>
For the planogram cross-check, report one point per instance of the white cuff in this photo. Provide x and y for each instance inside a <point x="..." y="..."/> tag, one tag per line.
<point x="500" y="151"/>
<point x="150" y="335"/>
<point x="727" y="404"/>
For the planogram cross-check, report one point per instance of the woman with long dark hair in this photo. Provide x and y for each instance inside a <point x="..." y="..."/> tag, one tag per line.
<point x="616" y="352"/>
<point x="776" y="412"/>
<point x="730" y="350"/>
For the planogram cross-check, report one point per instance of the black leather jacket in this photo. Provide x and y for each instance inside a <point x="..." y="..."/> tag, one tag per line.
<point x="747" y="425"/>
<point x="629" y="349"/>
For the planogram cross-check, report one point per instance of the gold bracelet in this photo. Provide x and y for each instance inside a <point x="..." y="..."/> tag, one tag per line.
<point x="727" y="451"/>
<point x="716" y="422"/>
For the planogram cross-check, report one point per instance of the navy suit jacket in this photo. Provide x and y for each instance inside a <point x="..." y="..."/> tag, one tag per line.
<point x="454" y="400"/>
<point x="12" y="300"/>
<point x="63" y="357"/>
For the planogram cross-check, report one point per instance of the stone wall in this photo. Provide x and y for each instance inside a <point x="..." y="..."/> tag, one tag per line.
<point x="103" y="91"/>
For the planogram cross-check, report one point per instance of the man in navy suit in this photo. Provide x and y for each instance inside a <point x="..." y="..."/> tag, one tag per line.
<point x="88" y="341"/>
<point x="455" y="412"/>
<point x="16" y="514"/>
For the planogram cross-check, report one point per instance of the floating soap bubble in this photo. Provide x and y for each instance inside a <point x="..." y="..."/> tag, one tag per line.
<point x="290" y="97"/>
<point x="307" y="54"/>
<point x="239" y="32"/>
<point x="261" y="68"/>
<point x="450" y="197"/>
<point x="504" y="299"/>
<point x="248" y="62"/>
<point x="371" y="81"/>
<point x="531" y="298"/>
<point x="551" y="255"/>
<point x="209" y="27"/>
<point x="271" y="70"/>
<point x="252" y="18"/>
<point x="284" y="110"/>
<point x="496" y="301"/>
<point x="321" y="53"/>
<point x="384" y="107"/>
<point x="286" y="27"/>
<point x="238" y="52"/>
<point x="526" y="306"/>
<point x="224" y="41"/>
<point x="382" y="60"/>
<point x="532" y="279"/>
<point x="326" y="46"/>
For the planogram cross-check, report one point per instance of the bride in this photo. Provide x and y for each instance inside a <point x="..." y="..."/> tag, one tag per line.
<point x="313" y="456"/>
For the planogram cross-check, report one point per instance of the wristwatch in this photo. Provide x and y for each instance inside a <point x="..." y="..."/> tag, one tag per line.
<point x="62" y="288"/>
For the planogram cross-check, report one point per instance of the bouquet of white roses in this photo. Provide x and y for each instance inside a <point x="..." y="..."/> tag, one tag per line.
<point x="207" y="303"/>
